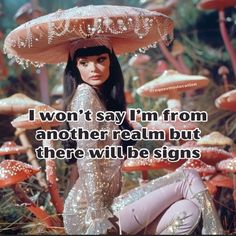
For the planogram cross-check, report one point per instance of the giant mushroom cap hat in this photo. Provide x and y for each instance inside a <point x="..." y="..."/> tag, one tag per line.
<point x="47" y="39"/>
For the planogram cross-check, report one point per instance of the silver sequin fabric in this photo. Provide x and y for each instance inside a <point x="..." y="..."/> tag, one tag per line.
<point x="96" y="194"/>
<point x="100" y="179"/>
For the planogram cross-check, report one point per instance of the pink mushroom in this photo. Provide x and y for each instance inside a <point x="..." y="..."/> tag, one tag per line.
<point x="171" y="84"/>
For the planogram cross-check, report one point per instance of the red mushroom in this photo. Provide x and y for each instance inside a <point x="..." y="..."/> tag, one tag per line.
<point x="213" y="155"/>
<point x="202" y="168"/>
<point x="227" y="101"/>
<point x="229" y="165"/>
<point x="11" y="173"/>
<point x="221" y="180"/>
<point x="10" y="148"/>
<point x="23" y="122"/>
<point x="19" y="104"/>
<point x="220" y="5"/>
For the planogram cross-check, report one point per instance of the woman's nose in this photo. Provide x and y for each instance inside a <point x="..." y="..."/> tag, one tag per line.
<point x="93" y="66"/>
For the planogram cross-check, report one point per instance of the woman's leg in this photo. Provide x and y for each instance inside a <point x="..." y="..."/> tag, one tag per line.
<point x="180" y="218"/>
<point x="137" y="215"/>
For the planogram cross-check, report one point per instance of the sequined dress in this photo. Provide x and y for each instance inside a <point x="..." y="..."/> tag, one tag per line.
<point x="95" y="196"/>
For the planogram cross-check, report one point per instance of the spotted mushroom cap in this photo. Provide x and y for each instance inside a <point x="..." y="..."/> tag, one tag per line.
<point x="227" y="101"/>
<point x="11" y="147"/>
<point x="213" y="155"/>
<point x="172" y="81"/>
<point x="17" y="104"/>
<point x="228" y="165"/>
<point x="198" y="165"/>
<point x="12" y="172"/>
<point x="215" y="138"/>
<point x="23" y="120"/>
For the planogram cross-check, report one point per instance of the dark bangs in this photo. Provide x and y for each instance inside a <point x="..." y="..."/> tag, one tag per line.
<point x="91" y="51"/>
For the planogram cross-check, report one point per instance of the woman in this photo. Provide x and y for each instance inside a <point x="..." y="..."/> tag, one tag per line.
<point x="172" y="204"/>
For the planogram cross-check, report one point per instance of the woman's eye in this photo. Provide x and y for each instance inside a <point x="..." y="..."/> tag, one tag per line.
<point x="101" y="59"/>
<point x="83" y="63"/>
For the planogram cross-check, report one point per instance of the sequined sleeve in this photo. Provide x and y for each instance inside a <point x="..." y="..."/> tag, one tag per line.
<point x="95" y="186"/>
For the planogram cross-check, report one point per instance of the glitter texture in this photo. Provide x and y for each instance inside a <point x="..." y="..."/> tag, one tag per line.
<point x="128" y="28"/>
<point x="95" y="196"/>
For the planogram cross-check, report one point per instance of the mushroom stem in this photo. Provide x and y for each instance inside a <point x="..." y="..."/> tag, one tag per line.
<point x="174" y="102"/>
<point x="31" y="206"/>
<point x="141" y="73"/>
<point x="31" y="156"/>
<point x="170" y="58"/>
<point x="226" y="40"/>
<point x="184" y="67"/>
<point x="43" y="83"/>
<point x="226" y="84"/>
<point x="52" y="181"/>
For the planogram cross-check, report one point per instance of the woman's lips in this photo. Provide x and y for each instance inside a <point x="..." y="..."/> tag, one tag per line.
<point x="95" y="77"/>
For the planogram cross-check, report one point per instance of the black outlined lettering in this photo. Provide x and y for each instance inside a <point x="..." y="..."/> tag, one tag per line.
<point x="60" y="153"/>
<point x="143" y="134"/>
<point x="174" y="155"/>
<point x="185" y="116"/>
<point x="184" y="134"/>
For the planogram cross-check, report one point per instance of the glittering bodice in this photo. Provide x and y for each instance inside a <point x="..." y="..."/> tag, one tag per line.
<point x="99" y="179"/>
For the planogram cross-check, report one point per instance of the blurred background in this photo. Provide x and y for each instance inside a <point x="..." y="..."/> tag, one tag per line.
<point x="198" y="48"/>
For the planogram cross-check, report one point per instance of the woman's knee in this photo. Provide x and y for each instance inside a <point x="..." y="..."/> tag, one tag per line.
<point x="183" y="217"/>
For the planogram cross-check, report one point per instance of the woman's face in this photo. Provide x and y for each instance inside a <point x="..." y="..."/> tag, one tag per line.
<point x="94" y="70"/>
